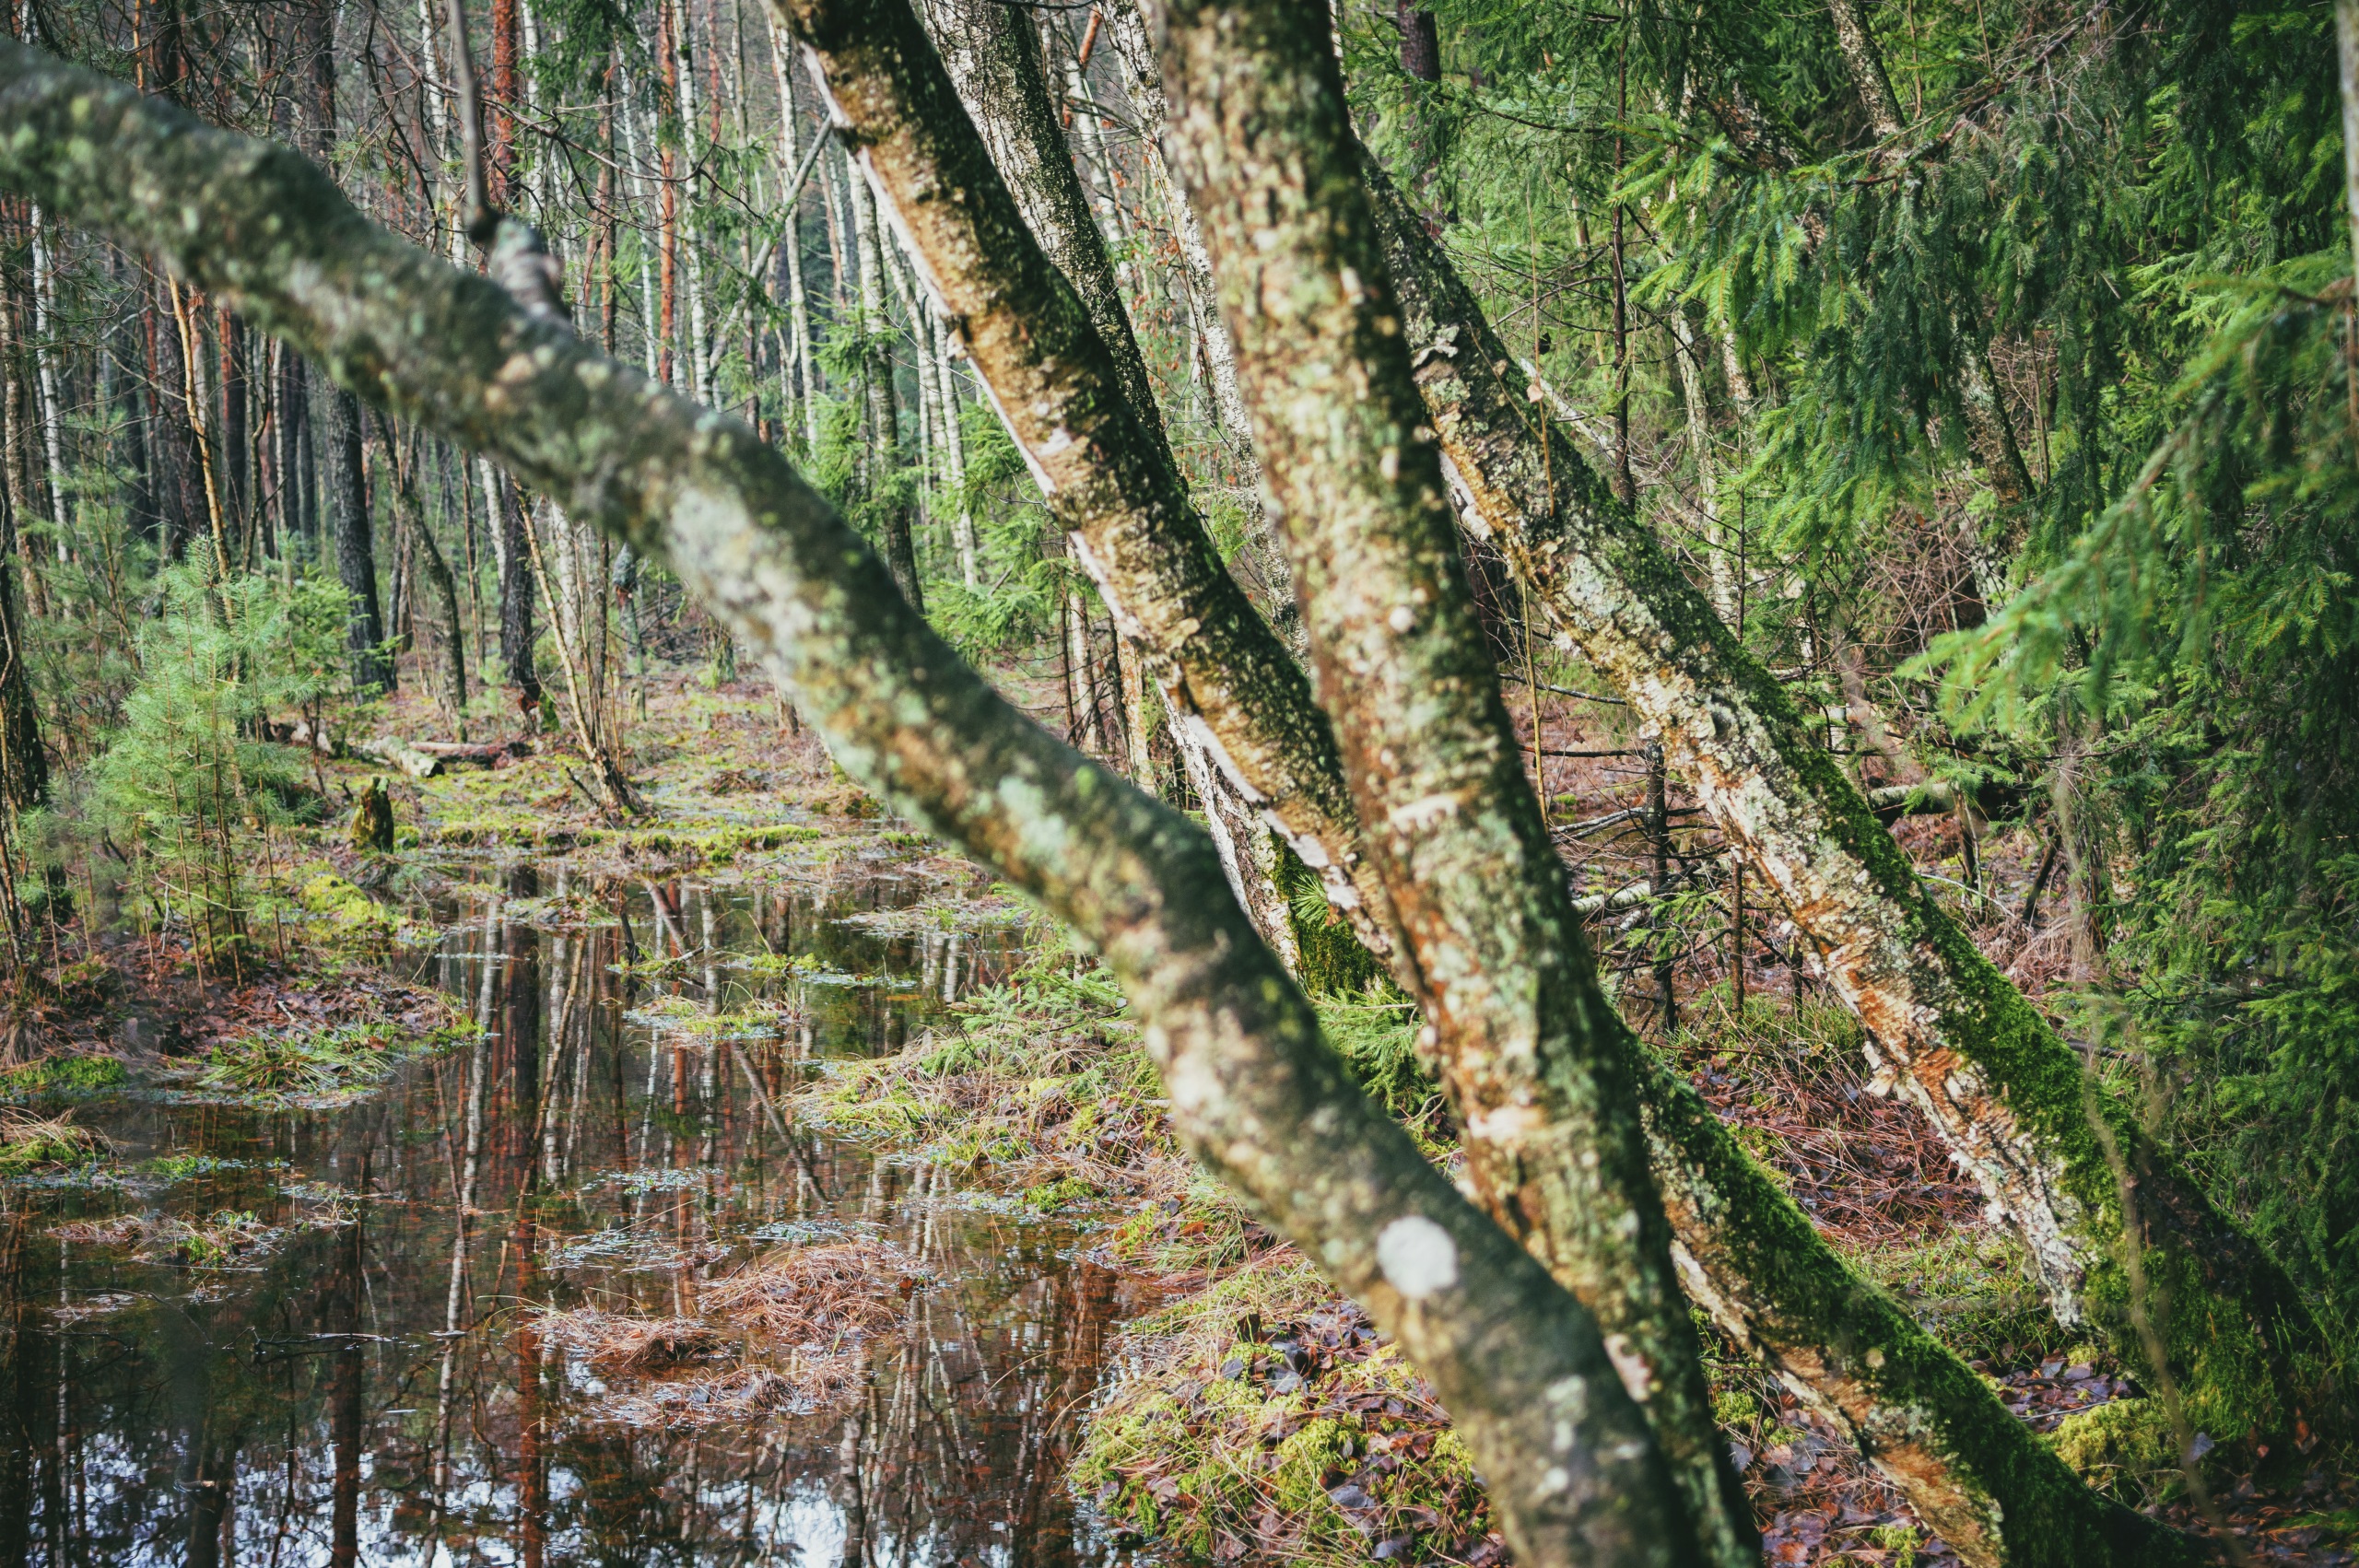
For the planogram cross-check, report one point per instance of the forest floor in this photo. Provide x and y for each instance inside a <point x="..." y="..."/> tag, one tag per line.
<point x="1258" y="1416"/>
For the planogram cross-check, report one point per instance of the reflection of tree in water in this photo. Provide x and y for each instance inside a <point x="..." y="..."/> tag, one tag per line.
<point x="376" y="1393"/>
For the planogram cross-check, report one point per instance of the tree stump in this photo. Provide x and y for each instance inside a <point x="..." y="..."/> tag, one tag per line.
<point x="372" y="819"/>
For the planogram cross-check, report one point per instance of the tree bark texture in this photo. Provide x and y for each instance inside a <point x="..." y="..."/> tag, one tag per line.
<point x="515" y="564"/>
<point x="1986" y="1468"/>
<point x="1253" y="1090"/>
<point x="335" y="416"/>
<point x="1520" y="1036"/>
<point x="24" y="767"/>
<point x="992" y="55"/>
<point x="1103" y="460"/>
<point x="1945" y="1028"/>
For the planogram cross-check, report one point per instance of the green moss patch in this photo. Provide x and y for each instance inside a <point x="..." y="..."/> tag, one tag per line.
<point x="1306" y="1439"/>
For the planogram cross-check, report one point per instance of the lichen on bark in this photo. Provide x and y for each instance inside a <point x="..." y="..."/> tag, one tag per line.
<point x="1946" y="1030"/>
<point x="1520" y="1036"/>
<point x="1253" y="1090"/>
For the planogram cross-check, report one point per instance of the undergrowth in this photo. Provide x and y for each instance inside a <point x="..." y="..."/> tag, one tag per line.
<point x="324" y="1062"/>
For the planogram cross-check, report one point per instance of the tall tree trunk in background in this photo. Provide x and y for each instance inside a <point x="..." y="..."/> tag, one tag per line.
<point x="515" y="565"/>
<point x="890" y="511"/>
<point x="799" y="375"/>
<point x="954" y="437"/>
<point x="24" y="767"/>
<point x="172" y="441"/>
<point x="299" y="494"/>
<point x="52" y="436"/>
<point x="1945" y="1028"/>
<point x="237" y="477"/>
<point x="410" y="491"/>
<point x="1538" y="1070"/>
<point x="335" y="419"/>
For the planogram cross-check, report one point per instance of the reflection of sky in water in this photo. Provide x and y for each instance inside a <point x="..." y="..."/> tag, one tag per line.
<point x="325" y="1406"/>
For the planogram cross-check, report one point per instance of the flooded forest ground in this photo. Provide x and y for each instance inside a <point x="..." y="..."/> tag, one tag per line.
<point x="757" y="1183"/>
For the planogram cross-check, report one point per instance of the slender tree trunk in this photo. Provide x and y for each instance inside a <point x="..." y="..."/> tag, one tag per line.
<point x="515" y="566"/>
<point x="173" y="438"/>
<point x="799" y="375"/>
<point x="24" y="767"/>
<point x="953" y="439"/>
<point x="53" y="440"/>
<point x="237" y="477"/>
<point x="335" y="416"/>
<point x="1538" y="1069"/>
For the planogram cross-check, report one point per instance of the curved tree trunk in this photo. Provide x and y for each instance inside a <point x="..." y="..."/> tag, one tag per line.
<point x="1966" y="1458"/>
<point x="1946" y="1030"/>
<point x="1253" y="1090"/>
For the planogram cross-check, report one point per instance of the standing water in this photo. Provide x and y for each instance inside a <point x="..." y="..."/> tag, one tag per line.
<point x="272" y="1337"/>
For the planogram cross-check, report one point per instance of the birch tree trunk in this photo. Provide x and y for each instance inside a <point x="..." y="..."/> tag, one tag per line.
<point x="800" y="375"/>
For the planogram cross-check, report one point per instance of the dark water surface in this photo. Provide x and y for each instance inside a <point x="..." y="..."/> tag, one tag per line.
<point x="358" y="1379"/>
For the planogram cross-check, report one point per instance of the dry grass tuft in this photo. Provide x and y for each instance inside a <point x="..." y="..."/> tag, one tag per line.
<point x="30" y="1142"/>
<point x="787" y="1334"/>
<point x="809" y="1295"/>
<point x="616" y="1344"/>
<point x="806" y="1385"/>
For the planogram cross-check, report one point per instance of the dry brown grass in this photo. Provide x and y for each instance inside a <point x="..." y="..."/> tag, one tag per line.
<point x="121" y="1230"/>
<point x="30" y="1142"/>
<point x="787" y="1334"/>
<point x="616" y="1344"/>
<point x="809" y="1295"/>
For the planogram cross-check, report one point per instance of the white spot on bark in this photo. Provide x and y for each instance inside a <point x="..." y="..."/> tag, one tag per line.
<point x="1417" y="1256"/>
<point x="1504" y="1125"/>
<point x="1401" y="620"/>
<point x="1416" y="814"/>
<point x="1638" y="1377"/>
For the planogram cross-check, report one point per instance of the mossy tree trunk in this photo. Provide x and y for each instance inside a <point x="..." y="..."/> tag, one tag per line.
<point x="1959" y="1458"/>
<point x="1253" y="1091"/>
<point x="1239" y="704"/>
<point x="1520" y="1034"/>
<point x="1945" y="1029"/>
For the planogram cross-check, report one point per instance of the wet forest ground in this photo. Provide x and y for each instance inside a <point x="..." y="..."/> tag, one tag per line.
<point x="757" y="1177"/>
